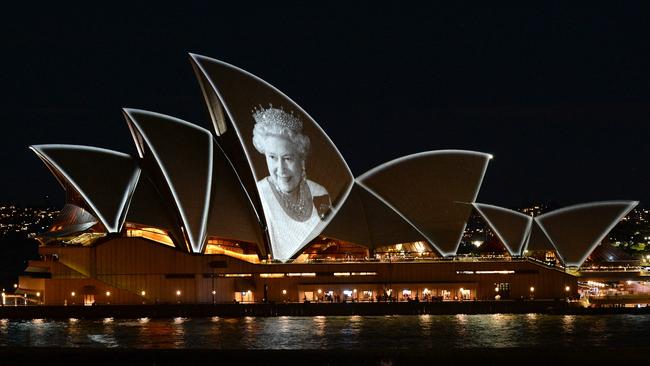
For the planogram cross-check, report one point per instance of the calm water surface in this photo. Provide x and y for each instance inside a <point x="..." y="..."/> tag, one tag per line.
<point x="435" y="332"/>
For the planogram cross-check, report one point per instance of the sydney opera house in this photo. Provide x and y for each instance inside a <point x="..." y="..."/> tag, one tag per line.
<point x="263" y="207"/>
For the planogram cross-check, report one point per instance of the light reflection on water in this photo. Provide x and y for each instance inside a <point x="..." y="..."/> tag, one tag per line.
<point x="433" y="332"/>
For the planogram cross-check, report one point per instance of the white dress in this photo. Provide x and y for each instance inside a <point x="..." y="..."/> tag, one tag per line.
<point x="287" y="235"/>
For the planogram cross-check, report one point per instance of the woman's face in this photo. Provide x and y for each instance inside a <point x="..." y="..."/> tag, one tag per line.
<point x="284" y="163"/>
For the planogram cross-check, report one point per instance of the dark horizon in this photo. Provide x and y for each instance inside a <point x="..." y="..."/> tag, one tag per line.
<point x="559" y="95"/>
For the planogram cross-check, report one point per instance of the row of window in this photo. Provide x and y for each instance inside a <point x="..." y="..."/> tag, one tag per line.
<point x="271" y="275"/>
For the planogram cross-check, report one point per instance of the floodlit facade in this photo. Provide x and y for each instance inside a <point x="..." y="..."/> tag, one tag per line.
<point x="263" y="207"/>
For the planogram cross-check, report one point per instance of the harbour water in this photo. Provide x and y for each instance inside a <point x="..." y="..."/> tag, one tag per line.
<point x="438" y="333"/>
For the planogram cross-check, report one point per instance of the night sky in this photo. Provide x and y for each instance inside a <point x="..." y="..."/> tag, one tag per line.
<point x="559" y="95"/>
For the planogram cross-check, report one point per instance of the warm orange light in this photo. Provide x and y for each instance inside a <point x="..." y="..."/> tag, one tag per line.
<point x="178" y="292"/>
<point x="73" y="294"/>
<point x="532" y="289"/>
<point x="108" y="293"/>
<point x="284" y="292"/>
<point x="143" y="293"/>
<point x="218" y="249"/>
<point x="567" y="289"/>
<point x="150" y="233"/>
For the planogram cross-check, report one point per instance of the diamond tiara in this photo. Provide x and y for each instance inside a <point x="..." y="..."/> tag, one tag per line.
<point x="277" y="117"/>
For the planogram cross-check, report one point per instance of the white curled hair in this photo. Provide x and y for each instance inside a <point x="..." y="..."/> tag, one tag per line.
<point x="262" y="131"/>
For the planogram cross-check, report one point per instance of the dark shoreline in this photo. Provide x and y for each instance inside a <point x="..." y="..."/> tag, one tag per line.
<point x="501" y="356"/>
<point x="308" y="309"/>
